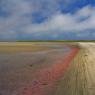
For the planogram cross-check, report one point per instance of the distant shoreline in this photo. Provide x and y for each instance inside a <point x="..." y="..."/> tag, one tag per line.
<point x="51" y="41"/>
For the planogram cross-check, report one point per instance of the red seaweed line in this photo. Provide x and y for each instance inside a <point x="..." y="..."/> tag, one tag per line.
<point x="46" y="77"/>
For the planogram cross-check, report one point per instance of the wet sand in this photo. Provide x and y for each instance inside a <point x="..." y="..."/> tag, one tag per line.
<point x="20" y="70"/>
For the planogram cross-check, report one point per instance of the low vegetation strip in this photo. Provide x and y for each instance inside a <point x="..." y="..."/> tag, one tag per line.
<point x="55" y="41"/>
<point x="45" y="79"/>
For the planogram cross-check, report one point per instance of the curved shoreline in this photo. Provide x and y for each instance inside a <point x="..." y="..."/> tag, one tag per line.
<point x="43" y="84"/>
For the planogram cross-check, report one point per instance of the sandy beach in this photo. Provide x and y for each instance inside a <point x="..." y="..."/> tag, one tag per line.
<point x="47" y="69"/>
<point x="80" y="77"/>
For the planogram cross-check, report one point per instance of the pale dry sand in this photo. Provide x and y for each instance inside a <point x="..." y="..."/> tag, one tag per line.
<point x="80" y="77"/>
<point x="90" y="66"/>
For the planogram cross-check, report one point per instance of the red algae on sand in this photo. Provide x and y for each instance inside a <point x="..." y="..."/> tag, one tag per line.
<point x="44" y="81"/>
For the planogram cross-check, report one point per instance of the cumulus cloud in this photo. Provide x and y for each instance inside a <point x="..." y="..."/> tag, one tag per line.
<point x="82" y="20"/>
<point x="19" y="18"/>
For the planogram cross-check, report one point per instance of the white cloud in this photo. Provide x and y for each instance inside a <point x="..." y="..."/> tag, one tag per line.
<point x="17" y="11"/>
<point x="69" y="22"/>
<point x="20" y="19"/>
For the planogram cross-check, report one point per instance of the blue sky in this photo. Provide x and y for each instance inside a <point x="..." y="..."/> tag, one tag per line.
<point x="47" y="19"/>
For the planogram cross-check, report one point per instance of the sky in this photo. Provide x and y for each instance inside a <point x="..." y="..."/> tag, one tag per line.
<point x="47" y="20"/>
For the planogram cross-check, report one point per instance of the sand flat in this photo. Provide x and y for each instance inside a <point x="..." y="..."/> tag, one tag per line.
<point x="19" y="68"/>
